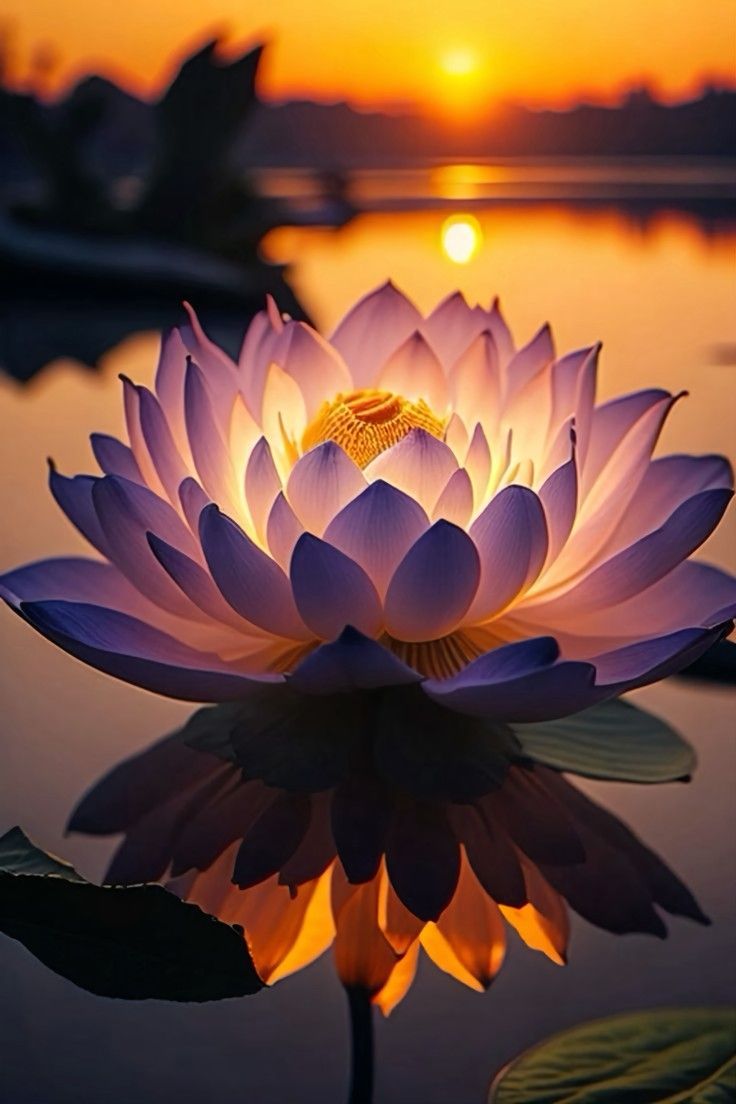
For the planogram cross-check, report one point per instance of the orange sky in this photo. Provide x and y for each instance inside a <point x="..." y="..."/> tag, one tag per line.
<point x="460" y="52"/>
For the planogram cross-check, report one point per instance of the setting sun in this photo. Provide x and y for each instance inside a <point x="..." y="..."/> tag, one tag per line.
<point x="379" y="54"/>
<point x="459" y="62"/>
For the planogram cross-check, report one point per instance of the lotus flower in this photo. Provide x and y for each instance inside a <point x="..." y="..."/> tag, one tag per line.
<point x="374" y="869"/>
<point x="414" y="500"/>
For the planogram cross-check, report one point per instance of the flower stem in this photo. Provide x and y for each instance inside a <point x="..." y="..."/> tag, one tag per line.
<point x="361" y="1025"/>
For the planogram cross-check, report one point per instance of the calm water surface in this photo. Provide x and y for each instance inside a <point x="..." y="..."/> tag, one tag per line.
<point x="660" y="295"/>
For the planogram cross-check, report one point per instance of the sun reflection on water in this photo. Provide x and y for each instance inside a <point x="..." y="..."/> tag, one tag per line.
<point x="461" y="238"/>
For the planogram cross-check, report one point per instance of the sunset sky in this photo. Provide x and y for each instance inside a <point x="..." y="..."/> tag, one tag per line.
<point x="462" y="53"/>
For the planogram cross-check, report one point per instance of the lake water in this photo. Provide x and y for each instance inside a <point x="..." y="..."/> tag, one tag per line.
<point x="659" y="292"/>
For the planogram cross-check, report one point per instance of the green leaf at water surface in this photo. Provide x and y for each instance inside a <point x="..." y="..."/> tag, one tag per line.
<point x="133" y="942"/>
<point x="615" y="740"/>
<point x="663" y="1056"/>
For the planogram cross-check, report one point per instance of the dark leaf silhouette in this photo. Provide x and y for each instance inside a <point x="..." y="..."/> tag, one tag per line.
<point x="137" y="942"/>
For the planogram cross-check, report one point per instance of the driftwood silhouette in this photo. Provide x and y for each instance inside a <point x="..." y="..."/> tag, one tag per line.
<point x="190" y="191"/>
<point x="197" y="120"/>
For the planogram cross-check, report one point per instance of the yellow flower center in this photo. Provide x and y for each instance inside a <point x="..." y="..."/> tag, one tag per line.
<point x="365" y="423"/>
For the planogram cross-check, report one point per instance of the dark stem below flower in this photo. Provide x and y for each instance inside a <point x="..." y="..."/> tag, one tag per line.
<point x="361" y="1026"/>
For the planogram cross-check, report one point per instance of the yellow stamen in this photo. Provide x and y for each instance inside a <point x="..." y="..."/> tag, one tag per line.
<point x="365" y="423"/>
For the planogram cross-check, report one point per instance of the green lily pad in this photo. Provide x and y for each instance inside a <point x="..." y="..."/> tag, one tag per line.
<point x="615" y="740"/>
<point x="664" y="1056"/>
<point x="134" y="942"/>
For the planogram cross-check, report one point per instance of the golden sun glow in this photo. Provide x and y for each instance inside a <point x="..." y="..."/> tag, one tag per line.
<point x="459" y="62"/>
<point x="390" y="50"/>
<point x="461" y="237"/>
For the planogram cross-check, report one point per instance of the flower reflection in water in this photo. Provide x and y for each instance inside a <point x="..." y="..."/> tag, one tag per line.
<point x="355" y="843"/>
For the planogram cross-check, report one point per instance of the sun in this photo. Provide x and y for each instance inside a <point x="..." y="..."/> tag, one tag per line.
<point x="460" y="61"/>
<point x="461" y="81"/>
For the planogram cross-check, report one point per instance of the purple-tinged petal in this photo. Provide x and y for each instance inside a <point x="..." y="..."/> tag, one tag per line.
<point x="283" y="415"/>
<point x="257" y="353"/>
<point x="162" y="449"/>
<point x="361" y="816"/>
<point x="422" y="859"/>
<point x="510" y="661"/>
<point x="315" y="365"/>
<point x="475" y="382"/>
<point x="451" y="327"/>
<point x="195" y="583"/>
<point x="134" y="652"/>
<point x="496" y="323"/>
<point x="519" y="682"/>
<point x="613" y="495"/>
<point x="478" y="464"/>
<point x="642" y="564"/>
<point x="169" y="387"/>
<point x="126" y="512"/>
<point x="75" y="579"/>
<point x="558" y="451"/>
<point x="434" y="584"/>
<point x="193" y="501"/>
<point x="610" y="423"/>
<point x="585" y="404"/>
<point x="370" y="332"/>
<point x="628" y="461"/>
<point x="145" y="852"/>
<point x="121" y="503"/>
<point x="419" y="464"/>
<point x="414" y="371"/>
<point x="332" y="591"/>
<point x="456" y="436"/>
<point x="650" y="660"/>
<point x="667" y="483"/>
<point x="71" y="578"/>
<point x="535" y="355"/>
<point x="511" y="538"/>
<point x="527" y="414"/>
<point x="272" y="840"/>
<point x="322" y="481"/>
<point x="559" y="497"/>
<point x="141" y="784"/>
<point x="692" y="593"/>
<point x="253" y="584"/>
<point x="490" y="853"/>
<point x="74" y="497"/>
<point x="262" y="484"/>
<point x="115" y="458"/>
<point x="455" y="504"/>
<point x="283" y="530"/>
<point x="219" y="369"/>
<point x="572" y="386"/>
<point x="352" y="662"/>
<point x="211" y="456"/>
<point x="377" y="529"/>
